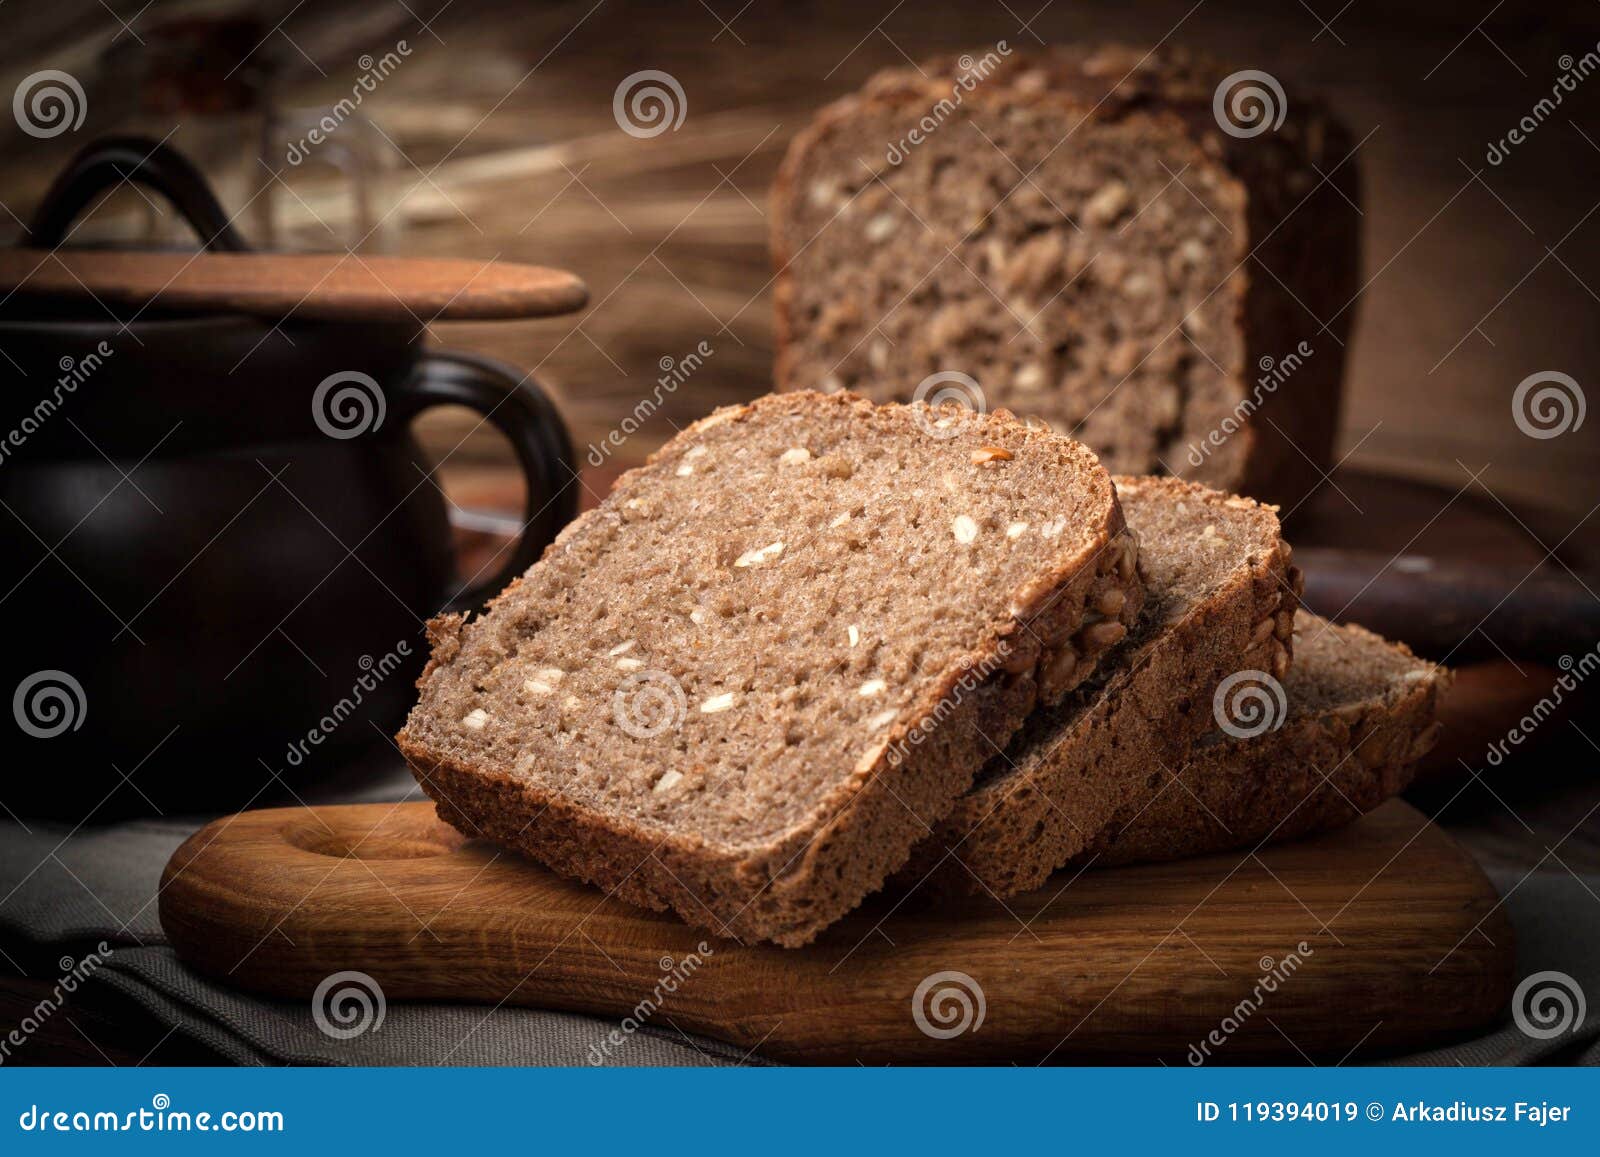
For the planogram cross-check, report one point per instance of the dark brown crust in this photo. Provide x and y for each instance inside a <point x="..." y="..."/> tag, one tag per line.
<point x="791" y="888"/>
<point x="1303" y="239"/>
<point x="1007" y="836"/>
<point x="1311" y="775"/>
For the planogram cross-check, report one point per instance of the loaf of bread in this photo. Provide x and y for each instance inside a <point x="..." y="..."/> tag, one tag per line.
<point x="1361" y="712"/>
<point x="1220" y="598"/>
<point x="744" y="685"/>
<point x="1142" y="250"/>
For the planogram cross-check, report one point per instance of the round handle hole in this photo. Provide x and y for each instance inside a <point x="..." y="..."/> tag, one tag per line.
<point x="411" y="843"/>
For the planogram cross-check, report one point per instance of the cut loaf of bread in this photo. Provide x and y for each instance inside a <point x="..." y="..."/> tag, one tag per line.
<point x="1106" y="239"/>
<point x="1361" y="712"/>
<point x="1220" y="597"/>
<point x="744" y="685"/>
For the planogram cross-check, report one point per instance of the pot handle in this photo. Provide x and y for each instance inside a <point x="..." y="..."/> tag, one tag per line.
<point x="519" y="407"/>
<point x="111" y="161"/>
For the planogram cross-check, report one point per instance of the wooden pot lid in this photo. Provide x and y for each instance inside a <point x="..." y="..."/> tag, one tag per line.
<point x="310" y="286"/>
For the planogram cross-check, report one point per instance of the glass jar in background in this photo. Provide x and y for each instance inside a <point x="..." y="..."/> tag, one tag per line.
<point x="301" y="178"/>
<point x="203" y="86"/>
<point x="334" y="181"/>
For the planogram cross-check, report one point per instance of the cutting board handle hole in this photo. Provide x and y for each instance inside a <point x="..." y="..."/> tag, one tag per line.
<point x="402" y="839"/>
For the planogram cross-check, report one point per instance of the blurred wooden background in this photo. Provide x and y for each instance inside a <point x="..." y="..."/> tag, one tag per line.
<point x="504" y="144"/>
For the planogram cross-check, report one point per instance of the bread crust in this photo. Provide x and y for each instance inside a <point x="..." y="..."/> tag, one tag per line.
<point x="789" y="888"/>
<point x="1283" y="437"/>
<point x="1316" y="773"/>
<point x="1008" y="835"/>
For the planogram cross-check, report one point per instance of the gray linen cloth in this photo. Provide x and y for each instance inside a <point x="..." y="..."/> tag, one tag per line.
<point x="64" y="891"/>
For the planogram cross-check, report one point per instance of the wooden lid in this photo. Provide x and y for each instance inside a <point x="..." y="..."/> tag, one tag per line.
<point x="321" y="286"/>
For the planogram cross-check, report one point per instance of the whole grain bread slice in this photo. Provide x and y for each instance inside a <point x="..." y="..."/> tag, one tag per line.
<point x="747" y="682"/>
<point x="1221" y="594"/>
<point x="1361" y="712"/>
<point x="1093" y="235"/>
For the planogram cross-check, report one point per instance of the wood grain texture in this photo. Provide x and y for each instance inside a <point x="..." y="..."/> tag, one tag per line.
<point x="1405" y="944"/>
<point x="326" y="286"/>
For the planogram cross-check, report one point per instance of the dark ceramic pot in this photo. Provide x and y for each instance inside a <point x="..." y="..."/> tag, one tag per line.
<point x="218" y="539"/>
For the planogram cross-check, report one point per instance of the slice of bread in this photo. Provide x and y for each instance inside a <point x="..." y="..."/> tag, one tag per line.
<point x="1221" y="594"/>
<point x="744" y="685"/>
<point x="1094" y="237"/>
<point x="1362" y="711"/>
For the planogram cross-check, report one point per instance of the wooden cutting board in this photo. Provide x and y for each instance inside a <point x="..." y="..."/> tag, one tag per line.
<point x="1404" y="944"/>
